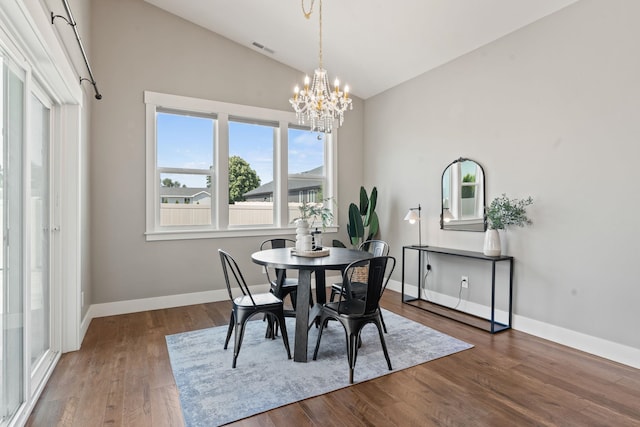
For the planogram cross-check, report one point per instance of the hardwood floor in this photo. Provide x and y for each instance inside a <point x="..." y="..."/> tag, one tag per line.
<point x="121" y="376"/>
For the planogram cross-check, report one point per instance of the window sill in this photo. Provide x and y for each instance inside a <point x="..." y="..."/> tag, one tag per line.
<point x="154" y="236"/>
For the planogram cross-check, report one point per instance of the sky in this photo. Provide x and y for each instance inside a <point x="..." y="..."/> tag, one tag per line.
<point x="186" y="142"/>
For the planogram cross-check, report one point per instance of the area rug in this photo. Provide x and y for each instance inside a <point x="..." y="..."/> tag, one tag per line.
<point x="212" y="393"/>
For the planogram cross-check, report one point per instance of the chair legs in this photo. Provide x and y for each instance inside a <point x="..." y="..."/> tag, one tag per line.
<point x="352" y="353"/>
<point x="384" y="345"/>
<point x="352" y="333"/>
<point x="230" y="330"/>
<point x="384" y="327"/>
<point x="239" y="322"/>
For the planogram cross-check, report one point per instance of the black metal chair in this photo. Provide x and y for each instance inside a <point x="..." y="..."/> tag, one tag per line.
<point x="247" y="305"/>
<point x="355" y="313"/>
<point x="359" y="288"/>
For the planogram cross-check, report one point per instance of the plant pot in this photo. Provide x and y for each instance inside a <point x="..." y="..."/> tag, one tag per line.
<point x="491" y="243"/>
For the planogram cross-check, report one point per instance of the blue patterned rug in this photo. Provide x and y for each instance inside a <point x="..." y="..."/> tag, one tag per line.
<point x="212" y="393"/>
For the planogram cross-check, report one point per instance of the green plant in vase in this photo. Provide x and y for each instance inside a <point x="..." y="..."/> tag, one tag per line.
<point x="502" y="213"/>
<point x="363" y="222"/>
<point x="312" y="212"/>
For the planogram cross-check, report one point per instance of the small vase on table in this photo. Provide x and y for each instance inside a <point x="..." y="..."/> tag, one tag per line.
<point x="491" y="242"/>
<point x="302" y="230"/>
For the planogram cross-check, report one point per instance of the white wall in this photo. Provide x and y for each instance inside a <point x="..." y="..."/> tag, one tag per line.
<point x="551" y="111"/>
<point x="138" y="47"/>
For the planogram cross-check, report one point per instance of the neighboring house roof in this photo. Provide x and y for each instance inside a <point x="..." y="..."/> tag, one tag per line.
<point x="183" y="192"/>
<point x="302" y="181"/>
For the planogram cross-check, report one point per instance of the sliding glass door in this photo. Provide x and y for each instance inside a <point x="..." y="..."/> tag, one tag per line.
<point x="12" y="104"/>
<point x="39" y="232"/>
<point x="28" y="338"/>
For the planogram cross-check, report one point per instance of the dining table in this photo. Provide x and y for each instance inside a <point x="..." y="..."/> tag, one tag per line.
<point x="287" y="259"/>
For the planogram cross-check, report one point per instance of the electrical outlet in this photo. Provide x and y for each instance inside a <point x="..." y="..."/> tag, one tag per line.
<point x="464" y="282"/>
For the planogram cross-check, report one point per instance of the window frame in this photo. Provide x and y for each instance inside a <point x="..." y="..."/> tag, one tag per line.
<point x="222" y="112"/>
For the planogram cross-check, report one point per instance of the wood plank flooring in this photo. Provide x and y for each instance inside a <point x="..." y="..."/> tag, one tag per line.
<point x="121" y="377"/>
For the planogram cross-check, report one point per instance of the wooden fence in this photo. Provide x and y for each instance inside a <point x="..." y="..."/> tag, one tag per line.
<point x="241" y="213"/>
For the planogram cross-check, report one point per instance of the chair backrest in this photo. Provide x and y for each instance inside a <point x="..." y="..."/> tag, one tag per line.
<point x="375" y="247"/>
<point x="276" y="244"/>
<point x="235" y="279"/>
<point x="378" y="267"/>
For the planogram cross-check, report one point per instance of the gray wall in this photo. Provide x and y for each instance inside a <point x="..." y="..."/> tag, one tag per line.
<point x="551" y="111"/>
<point x="139" y="47"/>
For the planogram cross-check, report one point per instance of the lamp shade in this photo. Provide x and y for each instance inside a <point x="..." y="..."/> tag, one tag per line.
<point x="446" y="215"/>
<point x="412" y="216"/>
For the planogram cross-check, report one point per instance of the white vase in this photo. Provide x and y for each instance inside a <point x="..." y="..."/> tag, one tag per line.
<point x="302" y="226"/>
<point x="302" y="230"/>
<point x="491" y="242"/>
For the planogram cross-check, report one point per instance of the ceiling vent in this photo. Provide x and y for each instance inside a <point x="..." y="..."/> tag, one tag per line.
<point x="263" y="47"/>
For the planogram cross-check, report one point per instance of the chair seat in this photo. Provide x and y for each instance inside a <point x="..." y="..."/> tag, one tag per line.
<point x="288" y="283"/>
<point x="261" y="299"/>
<point x="350" y="308"/>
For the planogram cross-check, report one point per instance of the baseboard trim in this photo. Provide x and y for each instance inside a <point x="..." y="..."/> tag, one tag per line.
<point x="597" y="346"/>
<point x="616" y="352"/>
<point x="158" y="303"/>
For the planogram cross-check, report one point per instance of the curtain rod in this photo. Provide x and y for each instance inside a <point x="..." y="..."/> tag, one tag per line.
<point x="73" y="23"/>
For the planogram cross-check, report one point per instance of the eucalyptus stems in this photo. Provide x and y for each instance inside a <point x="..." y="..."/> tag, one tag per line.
<point x="503" y="212"/>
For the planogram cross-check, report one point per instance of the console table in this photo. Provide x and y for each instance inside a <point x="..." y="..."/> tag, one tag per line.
<point x="490" y="325"/>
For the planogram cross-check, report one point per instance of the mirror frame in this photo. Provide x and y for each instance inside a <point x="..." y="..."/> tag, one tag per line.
<point x="463" y="225"/>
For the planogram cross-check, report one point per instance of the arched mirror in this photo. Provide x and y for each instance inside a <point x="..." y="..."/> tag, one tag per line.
<point x="463" y="196"/>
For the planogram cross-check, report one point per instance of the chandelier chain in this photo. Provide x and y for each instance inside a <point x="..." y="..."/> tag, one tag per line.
<point x="308" y="15"/>
<point x="320" y="50"/>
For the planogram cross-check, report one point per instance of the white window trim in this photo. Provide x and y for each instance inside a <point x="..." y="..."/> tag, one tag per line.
<point x="155" y="100"/>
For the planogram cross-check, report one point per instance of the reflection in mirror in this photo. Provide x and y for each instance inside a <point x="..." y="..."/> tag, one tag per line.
<point x="463" y="200"/>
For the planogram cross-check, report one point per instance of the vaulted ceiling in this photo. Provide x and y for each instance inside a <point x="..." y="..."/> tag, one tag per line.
<point x="372" y="45"/>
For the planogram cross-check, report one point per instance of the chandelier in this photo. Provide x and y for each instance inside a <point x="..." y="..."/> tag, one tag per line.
<point x="316" y="104"/>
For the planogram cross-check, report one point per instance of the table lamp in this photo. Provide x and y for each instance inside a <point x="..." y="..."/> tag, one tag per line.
<point x="414" y="217"/>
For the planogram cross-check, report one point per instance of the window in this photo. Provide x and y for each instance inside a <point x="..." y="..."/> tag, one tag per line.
<point x="217" y="170"/>
<point x="251" y="148"/>
<point x="184" y="147"/>
<point x="306" y="178"/>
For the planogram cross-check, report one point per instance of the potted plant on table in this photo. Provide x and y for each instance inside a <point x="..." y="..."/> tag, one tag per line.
<point x="502" y="213"/>
<point x="310" y="213"/>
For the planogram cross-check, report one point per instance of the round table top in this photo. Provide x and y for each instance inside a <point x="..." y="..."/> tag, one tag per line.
<point x="337" y="259"/>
